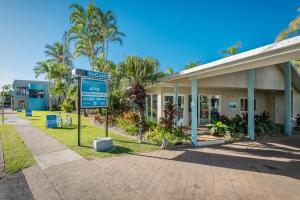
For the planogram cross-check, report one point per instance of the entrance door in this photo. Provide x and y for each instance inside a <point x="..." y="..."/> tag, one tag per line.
<point x="279" y="109"/>
<point x="208" y="109"/>
<point x="204" y="109"/>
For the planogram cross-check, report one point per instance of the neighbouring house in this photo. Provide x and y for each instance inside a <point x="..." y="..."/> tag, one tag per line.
<point x="258" y="80"/>
<point x="30" y="94"/>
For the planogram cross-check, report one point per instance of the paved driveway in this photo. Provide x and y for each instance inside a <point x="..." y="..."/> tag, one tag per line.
<point x="245" y="170"/>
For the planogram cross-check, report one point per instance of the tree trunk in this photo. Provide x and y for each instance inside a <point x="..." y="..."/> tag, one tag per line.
<point x="141" y="123"/>
<point x="49" y="94"/>
<point x="106" y="55"/>
<point x="85" y="113"/>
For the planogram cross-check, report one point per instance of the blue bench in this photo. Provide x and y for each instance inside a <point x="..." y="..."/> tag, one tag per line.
<point x="51" y="121"/>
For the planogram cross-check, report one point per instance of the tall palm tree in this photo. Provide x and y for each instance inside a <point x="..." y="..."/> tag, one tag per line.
<point x="292" y="30"/>
<point x="45" y="68"/>
<point x="93" y="30"/>
<point x="192" y="65"/>
<point x="110" y="31"/>
<point x="140" y="72"/>
<point x="232" y="50"/>
<point x="82" y="31"/>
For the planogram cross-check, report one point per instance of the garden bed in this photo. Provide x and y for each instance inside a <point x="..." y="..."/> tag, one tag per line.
<point x="89" y="132"/>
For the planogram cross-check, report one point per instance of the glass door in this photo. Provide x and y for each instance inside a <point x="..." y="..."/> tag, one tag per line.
<point x="208" y="109"/>
<point x="215" y="107"/>
<point x="204" y="110"/>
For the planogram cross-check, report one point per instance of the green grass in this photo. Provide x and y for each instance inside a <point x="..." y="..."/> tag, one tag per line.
<point x="89" y="132"/>
<point x="16" y="154"/>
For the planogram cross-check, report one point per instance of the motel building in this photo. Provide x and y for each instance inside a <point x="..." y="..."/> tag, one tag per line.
<point x="262" y="79"/>
<point x="30" y="94"/>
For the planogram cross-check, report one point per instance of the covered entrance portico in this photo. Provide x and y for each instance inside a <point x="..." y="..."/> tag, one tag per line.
<point x="243" y="70"/>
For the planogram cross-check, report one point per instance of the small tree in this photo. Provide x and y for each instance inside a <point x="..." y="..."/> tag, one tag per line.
<point x="168" y="119"/>
<point x="140" y="72"/>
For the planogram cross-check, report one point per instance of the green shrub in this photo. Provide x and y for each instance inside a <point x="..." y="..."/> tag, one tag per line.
<point x="67" y="106"/>
<point x="150" y="123"/>
<point x="129" y="127"/>
<point x="158" y="133"/>
<point x="155" y="135"/>
<point x="218" y="129"/>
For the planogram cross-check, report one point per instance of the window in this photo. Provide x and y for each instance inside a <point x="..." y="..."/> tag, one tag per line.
<point x="244" y="105"/>
<point x="154" y="106"/>
<point x="168" y="99"/>
<point x="36" y="94"/>
<point x="151" y="106"/>
<point x="148" y="105"/>
<point x="22" y="91"/>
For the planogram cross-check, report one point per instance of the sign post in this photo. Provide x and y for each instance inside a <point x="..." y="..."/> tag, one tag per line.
<point x="92" y="93"/>
<point x="79" y="108"/>
<point x="2" y="102"/>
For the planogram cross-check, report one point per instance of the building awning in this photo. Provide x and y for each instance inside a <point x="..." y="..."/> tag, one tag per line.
<point x="273" y="54"/>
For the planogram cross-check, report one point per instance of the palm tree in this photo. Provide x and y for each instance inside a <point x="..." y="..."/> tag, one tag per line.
<point x="140" y="72"/>
<point x="169" y="71"/>
<point x="45" y="68"/>
<point x="93" y="30"/>
<point x="233" y="50"/>
<point x="192" y="65"/>
<point x="292" y="30"/>
<point x="82" y="31"/>
<point x="110" y="31"/>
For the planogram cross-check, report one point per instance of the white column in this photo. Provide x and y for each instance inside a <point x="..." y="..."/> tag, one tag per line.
<point x="194" y="113"/>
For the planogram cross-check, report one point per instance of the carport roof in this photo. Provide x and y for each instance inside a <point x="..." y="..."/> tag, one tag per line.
<point x="272" y="54"/>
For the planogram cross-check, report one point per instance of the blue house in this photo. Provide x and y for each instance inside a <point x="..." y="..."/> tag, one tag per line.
<point x="30" y="94"/>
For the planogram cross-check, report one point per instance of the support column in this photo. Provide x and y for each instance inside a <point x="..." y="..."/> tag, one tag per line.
<point x="194" y="113"/>
<point x="287" y="100"/>
<point x="175" y="102"/>
<point x="251" y="133"/>
<point x="159" y="105"/>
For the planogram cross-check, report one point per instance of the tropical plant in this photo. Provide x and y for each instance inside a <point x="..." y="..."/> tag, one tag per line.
<point x="140" y="72"/>
<point x="169" y="71"/>
<point x="232" y="50"/>
<point x="82" y="31"/>
<point x="93" y="30"/>
<point x="218" y="129"/>
<point x="167" y="121"/>
<point x="46" y="68"/>
<point x="292" y="30"/>
<point x="192" y="65"/>
<point x="157" y="134"/>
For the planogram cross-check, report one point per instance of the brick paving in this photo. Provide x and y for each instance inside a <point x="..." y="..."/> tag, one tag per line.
<point x="266" y="169"/>
<point x="245" y="170"/>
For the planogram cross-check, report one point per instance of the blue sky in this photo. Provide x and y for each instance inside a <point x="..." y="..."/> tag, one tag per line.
<point x="174" y="32"/>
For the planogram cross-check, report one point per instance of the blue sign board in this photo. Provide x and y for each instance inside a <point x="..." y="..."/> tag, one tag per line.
<point x="93" y="93"/>
<point x="51" y="121"/>
<point x="93" y="74"/>
<point x="28" y="112"/>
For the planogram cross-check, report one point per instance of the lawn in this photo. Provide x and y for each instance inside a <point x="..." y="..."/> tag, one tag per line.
<point x="16" y="154"/>
<point x="89" y="131"/>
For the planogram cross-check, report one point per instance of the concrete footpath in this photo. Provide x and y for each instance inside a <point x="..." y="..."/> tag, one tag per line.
<point x="61" y="173"/>
<point x="47" y="152"/>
